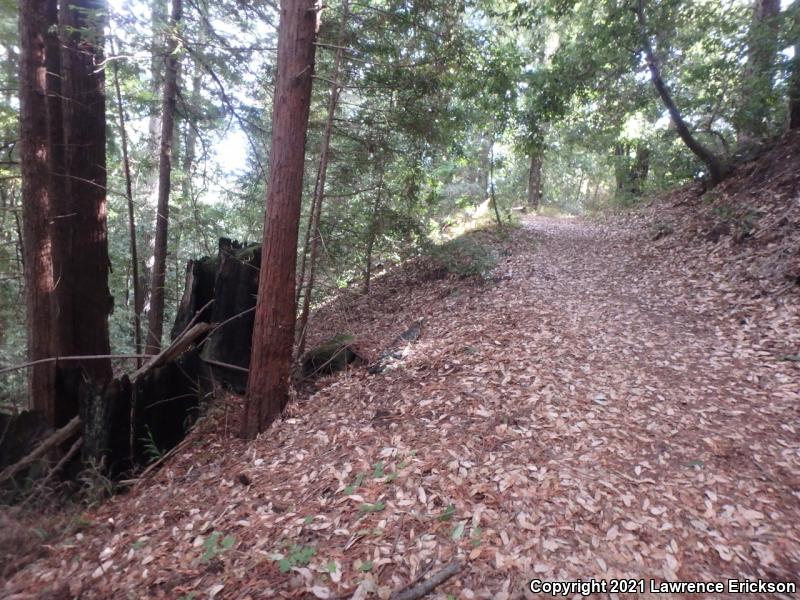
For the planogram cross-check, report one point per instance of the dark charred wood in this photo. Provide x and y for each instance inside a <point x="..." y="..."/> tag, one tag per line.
<point x="231" y="280"/>
<point x="106" y="416"/>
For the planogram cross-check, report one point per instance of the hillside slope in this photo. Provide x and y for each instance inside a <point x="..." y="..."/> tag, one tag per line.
<point x="607" y="405"/>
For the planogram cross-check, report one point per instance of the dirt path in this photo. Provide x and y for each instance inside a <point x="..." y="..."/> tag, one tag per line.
<point x="676" y="446"/>
<point x="589" y="414"/>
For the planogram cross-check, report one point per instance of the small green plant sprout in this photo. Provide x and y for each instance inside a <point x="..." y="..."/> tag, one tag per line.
<point x="476" y="538"/>
<point x="366" y="566"/>
<point x="351" y="489"/>
<point x="458" y="530"/>
<point x="298" y="556"/>
<point x="151" y="449"/>
<point x="378" y="471"/>
<point x="371" y="508"/>
<point x="308" y="520"/>
<point x="447" y="513"/>
<point x="213" y="546"/>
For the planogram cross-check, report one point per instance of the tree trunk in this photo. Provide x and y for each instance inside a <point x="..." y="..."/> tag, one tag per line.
<point x="535" y="181"/>
<point x="155" y="318"/>
<point x="751" y="115"/>
<point x="36" y="204"/>
<point x="640" y="169"/>
<point x="159" y="15"/>
<point x="80" y="234"/>
<point x="492" y="197"/>
<point x="716" y="169"/>
<point x="273" y="335"/>
<point x="319" y="189"/>
<point x="126" y="164"/>
<point x="794" y="90"/>
<point x="621" y="167"/>
<point x="374" y="228"/>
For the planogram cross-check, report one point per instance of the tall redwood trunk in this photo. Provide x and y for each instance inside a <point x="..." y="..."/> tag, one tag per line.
<point x="80" y="235"/>
<point x="535" y="181"/>
<point x="273" y="333"/>
<point x="319" y="190"/>
<point x="36" y="203"/>
<point x="155" y="317"/>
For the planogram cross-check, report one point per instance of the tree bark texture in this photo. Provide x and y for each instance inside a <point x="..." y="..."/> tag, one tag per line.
<point x="535" y="181"/>
<point x="155" y="318"/>
<point x="36" y="203"/>
<point x="80" y="234"/>
<point x="273" y="336"/>
<point x="374" y="229"/>
<point x="319" y="190"/>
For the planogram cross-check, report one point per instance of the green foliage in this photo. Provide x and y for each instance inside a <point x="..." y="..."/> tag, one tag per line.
<point x="447" y="513"/>
<point x="151" y="450"/>
<point x="298" y="556"/>
<point x="371" y="508"/>
<point x="215" y="544"/>
<point x="366" y="566"/>
<point x="350" y="489"/>
<point x="441" y="101"/>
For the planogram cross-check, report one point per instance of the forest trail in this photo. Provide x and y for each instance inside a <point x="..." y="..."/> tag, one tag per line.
<point x="589" y="413"/>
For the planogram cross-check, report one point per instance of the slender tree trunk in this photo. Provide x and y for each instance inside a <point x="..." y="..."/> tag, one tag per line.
<point x="273" y="333"/>
<point x="190" y="146"/>
<point x="319" y="190"/>
<point x="80" y="233"/>
<point x="155" y="318"/>
<point x="535" y="181"/>
<point x="492" y="197"/>
<point x="640" y="169"/>
<point x="596" y="191"/>
<point x="134" y="264"/>
<point x="301" y="278"/>
<point x="36" y="204"/>
<point x="159" y="16"/>
<point x="794" y="90"/>
<point x="374" y="227"/>
<point x="716" y="169"/>
<point x="751" y="115"/>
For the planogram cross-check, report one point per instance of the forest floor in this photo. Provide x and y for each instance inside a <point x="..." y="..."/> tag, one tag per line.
<point x="606" y="405"/>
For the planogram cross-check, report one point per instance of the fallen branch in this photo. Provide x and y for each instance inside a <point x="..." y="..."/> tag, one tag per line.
<point x="426" y="587"/>
<point x="175" y="349"/>
<point x="67" y="457"/>
<point x="33" y="363"/>
<point x="224" y="365"/>
<point x="57" y="438"/>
